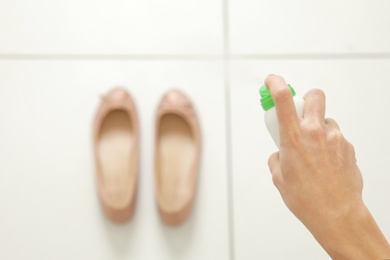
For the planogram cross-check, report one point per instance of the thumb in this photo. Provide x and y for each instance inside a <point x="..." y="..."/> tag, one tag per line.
<point x="274" y="166"/>
<point x="273" y="162"/>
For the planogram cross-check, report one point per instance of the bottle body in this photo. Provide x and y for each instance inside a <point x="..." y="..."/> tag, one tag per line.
<point x="271" y="119"/>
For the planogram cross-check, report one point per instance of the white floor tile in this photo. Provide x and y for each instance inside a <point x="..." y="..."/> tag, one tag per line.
<point x="49" y="207"/>
<point x="111" y="27"/>
<point x="357" y="97"/>
<point x="307" y="26"/>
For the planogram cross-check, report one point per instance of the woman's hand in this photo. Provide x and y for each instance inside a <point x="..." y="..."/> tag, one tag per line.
<point x="316" y="174"/>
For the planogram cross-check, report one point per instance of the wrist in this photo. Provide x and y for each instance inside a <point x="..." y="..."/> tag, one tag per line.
<point x="353" y="235"/>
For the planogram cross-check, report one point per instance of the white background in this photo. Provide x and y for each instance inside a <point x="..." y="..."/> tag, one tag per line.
<point x="58" y="57"/>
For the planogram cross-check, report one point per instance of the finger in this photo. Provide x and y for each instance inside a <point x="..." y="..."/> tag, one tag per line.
<point x="331" y="123"/>
<point x="285" y="107"/>
<point x="315" y="105"/>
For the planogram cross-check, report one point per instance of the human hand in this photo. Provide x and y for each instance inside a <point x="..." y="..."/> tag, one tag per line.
<point x="316" y="174"/>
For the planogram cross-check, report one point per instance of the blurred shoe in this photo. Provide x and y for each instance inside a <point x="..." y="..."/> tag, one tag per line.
<point x="116" y="154"/>
<point x="177" y="155"/>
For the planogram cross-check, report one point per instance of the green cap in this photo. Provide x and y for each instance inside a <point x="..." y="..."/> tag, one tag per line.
<point x="266" y="99"/>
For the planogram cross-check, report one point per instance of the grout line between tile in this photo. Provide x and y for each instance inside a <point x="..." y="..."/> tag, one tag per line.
<point x="310" y="56"/>
<point x="201" y="57"/>
<point x="230" y="195"/>
<point x="15" y="56"/>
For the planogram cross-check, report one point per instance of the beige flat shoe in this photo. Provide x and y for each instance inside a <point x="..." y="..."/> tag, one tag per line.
<point x="177" y="155"/>
<point x="116" y="154"/>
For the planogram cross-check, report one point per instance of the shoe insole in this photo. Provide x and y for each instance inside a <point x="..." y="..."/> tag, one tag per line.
<point x="176" y="158"/>
<point x="115" y="148"/>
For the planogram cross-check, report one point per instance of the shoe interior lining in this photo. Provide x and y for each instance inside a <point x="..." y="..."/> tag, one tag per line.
<point x="175" y="161"/>
<point x="115" y="149"/>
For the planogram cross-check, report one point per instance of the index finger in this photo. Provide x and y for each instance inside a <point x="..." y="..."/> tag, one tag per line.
<point x="285" y="107"/>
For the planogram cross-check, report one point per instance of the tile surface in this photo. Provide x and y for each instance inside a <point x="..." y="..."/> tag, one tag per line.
<point x="49" y="206"/>
<point x="307" y="26"/>
<point x="58" y="57"/>
<point x="357" y="97"/>
<point x="111" y="27"/>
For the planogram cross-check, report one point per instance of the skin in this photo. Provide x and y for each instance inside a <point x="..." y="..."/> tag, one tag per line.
<point x="316" y="174"/>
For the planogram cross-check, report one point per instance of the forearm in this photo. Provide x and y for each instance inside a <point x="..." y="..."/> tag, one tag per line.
<point x="353" y="236"/>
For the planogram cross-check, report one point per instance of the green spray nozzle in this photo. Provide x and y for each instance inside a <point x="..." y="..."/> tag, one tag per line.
<point x="266" y="99"/>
